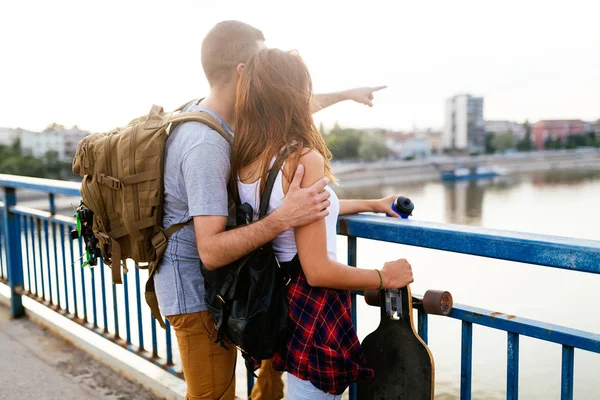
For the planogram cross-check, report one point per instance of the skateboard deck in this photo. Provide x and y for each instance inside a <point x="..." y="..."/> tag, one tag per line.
<point x="403" y="365"/>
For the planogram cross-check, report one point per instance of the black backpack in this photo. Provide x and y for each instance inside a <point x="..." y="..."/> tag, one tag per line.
<point x="247" y="299"/>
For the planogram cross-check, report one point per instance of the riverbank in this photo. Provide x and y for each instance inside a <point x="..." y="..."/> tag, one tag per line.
<point x="388" y="172"/>
<point x="397" y="172"/>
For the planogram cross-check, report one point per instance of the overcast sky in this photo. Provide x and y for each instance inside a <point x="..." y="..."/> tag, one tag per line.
<point x="99" y="64"/>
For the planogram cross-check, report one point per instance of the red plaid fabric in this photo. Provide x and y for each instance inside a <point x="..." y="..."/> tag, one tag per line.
<point x="322" y="346"/>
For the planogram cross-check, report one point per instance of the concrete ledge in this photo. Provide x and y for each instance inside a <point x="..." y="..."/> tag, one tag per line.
<point x="155" y="379"/>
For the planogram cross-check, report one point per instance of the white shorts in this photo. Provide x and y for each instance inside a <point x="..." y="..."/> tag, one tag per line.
<point x="297" y="389"/>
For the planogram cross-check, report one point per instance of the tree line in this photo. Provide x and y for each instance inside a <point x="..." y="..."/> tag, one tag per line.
<point x="14" y="161"/>
<point x="499" y="142"/>
<point x="354" y="144"/>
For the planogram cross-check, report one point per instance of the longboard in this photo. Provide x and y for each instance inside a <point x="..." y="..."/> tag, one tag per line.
<point x="403" y="364"/>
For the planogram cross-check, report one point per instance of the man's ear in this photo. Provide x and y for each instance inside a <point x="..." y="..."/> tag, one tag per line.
<point x="240" y="68"/>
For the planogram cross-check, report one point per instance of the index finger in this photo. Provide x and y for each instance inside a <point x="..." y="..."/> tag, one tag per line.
<point x="377" y="88"/>
<point x="320" y="184"/>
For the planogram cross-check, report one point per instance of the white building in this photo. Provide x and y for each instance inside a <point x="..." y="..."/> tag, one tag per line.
<point x="505" y="126"/>
<point x="9" y="135"/>
<point x="54" y="138"/>
<point x="433" y="136"/>
<point x="464" y="127"/>
<point x="407" y="145"/>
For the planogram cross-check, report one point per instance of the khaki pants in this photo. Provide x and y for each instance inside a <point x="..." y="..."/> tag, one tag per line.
<point x="209" y="369"/>
<point x="268" y="385"/>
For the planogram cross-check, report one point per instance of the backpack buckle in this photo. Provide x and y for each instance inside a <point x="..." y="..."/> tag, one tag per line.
<point x="159" y="240"/>
<point x="111" y="182"/>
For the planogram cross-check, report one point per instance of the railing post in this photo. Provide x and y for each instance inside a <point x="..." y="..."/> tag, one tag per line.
<point x="568" y="362"/>
<point x="466" y="360"/>
<point x="352" y="250"/>
<point x="14" y="258"/>
<point x="512" y="367"/>
<point x="423" y="325"/>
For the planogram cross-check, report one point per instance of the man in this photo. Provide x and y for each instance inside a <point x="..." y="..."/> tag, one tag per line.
<point x="197" y="166"/>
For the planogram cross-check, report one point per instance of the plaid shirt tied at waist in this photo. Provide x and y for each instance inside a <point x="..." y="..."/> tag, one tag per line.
<point x="322" y="346"/>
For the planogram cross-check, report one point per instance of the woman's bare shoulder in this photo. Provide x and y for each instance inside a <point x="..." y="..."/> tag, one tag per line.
<point x="314" y="168"/>
<point x="312" y="159"/>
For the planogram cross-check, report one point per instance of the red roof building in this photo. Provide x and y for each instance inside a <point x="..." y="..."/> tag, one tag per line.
<point x="556" y="129"/>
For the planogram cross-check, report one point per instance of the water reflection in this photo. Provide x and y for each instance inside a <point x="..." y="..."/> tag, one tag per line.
<point x="464" y="201"/>
<point x="567" y="177"/>
<point x="379" y="191"/>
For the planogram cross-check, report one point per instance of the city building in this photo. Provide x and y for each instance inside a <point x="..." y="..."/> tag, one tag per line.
<point x="497" y="127"/>
<point x="435" y="139"/>
<point x="53" y="138"/>
<point x="9" y="135"/>
<point x="407" y="145"/>
<point x="556" y="129"/>
<point x="464" y="127"/>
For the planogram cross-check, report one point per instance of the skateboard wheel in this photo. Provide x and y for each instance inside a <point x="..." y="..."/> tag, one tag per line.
<point x="372" y="298"/>
<point x="438" y="302"/>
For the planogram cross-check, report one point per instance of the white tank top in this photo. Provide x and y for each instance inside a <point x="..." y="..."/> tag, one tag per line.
<point x="285" y="244"/>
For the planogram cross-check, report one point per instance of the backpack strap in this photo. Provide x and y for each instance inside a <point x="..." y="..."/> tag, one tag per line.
<point x="204" y="118"/>
<point x="160" y="240"/>
<point x="184" y="105"/>
<point x="266" y="196"/>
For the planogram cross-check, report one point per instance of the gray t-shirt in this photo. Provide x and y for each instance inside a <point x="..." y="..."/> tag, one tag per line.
<point x="195" y="182"/>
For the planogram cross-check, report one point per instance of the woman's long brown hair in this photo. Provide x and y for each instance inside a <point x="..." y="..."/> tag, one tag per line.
<point x="273" y="112"/>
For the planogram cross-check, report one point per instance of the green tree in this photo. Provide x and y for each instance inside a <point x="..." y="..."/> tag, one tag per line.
<point x="553" y="144"/>
<point x="343" y="143"/>
<point x="503" y="141"/>
<point x="12" y="161"/>
<point x="54" y="126"/>
<point x="52" y="164"/>
<point x="322" y="128"/>
<point x="592" y="139"/>
<point x="372" y="148"/>
<point x="489" y="137"/>
<point x="526" y="144"/>
<point x="574" y="141"/>
<point x="16" y="146"/>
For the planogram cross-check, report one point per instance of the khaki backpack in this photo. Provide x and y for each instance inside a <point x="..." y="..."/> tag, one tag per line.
<point x="123" y="186"/>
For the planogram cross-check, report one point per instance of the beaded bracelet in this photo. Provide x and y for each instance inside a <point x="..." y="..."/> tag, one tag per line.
<point x="380" y="280"/>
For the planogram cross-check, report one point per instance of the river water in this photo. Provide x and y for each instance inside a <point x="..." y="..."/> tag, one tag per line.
<point x="556" y="203"/>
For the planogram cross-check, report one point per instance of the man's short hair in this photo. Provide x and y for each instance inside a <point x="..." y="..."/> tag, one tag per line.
<point x="228" y="44"/>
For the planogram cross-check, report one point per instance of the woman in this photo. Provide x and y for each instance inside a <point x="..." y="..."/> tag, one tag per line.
<point x="322" y="354"/>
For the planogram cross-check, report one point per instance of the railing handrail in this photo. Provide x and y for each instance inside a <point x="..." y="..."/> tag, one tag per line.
<point x="545" y="250"/>
<point x="41" y="184"/>
<point x="527" y="327"/>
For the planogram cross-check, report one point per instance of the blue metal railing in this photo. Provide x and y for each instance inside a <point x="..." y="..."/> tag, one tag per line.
<point x="39" y="260"/>
<point x="548" y="251"/>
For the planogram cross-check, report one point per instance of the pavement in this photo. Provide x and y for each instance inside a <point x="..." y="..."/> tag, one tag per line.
<point x="35" y="364"/>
